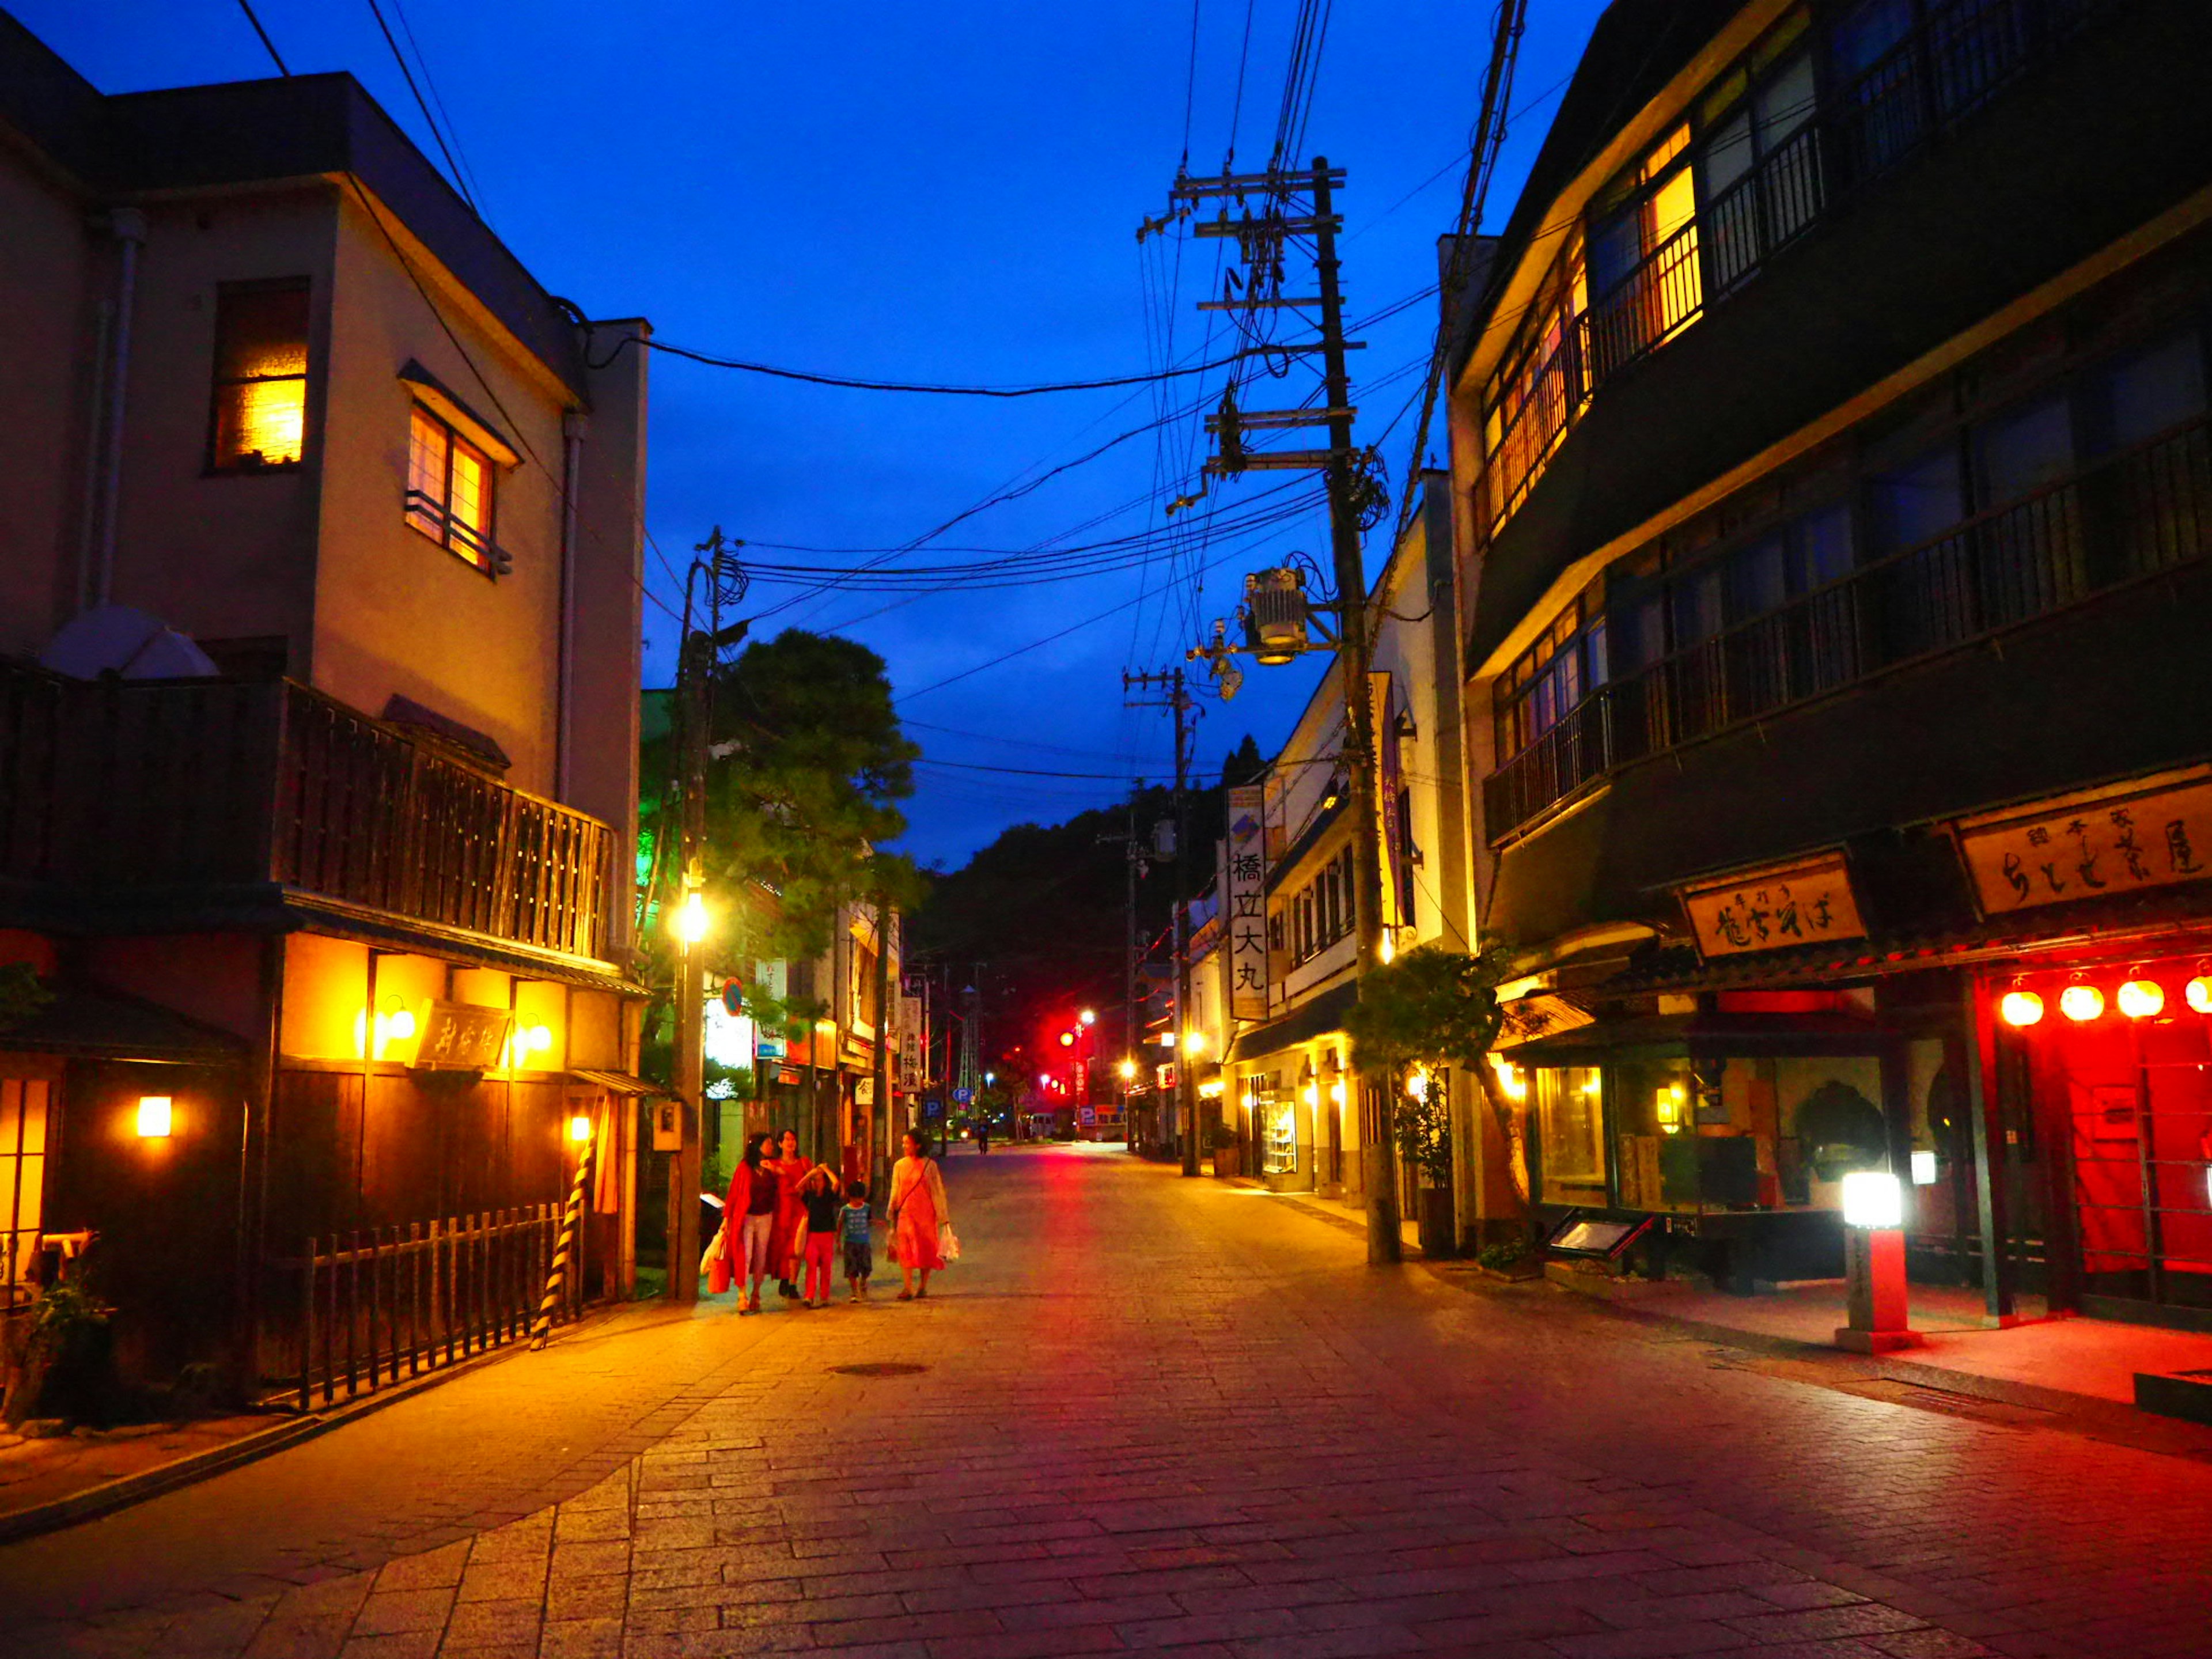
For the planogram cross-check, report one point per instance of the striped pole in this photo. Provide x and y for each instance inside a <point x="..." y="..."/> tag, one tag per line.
<point x="541" y="1330"/>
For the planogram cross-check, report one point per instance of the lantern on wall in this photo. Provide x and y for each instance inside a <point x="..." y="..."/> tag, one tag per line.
<point x="2020" y="1008"/>
<point x="157" y="1119"/>
<point x="2142" y="999"/>
<point x="2082" y="1003"/>
<point x="2198" y="993"/>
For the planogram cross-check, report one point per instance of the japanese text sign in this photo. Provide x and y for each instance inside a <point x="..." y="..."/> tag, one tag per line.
<point x="1774" y="908"/>
<point x="1244" y="904"/>
<point x="459" y="1037"/>
<point x="2150" y="833"/>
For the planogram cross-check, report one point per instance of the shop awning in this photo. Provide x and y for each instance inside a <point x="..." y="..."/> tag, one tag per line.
<point x="1752" y="1035"/>
<point x="1318" y="1018"/>
<point x="620" y="1082"/>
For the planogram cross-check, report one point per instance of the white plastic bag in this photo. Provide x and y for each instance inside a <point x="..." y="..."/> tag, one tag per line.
<point x="948" y="1243"/>
<point x="713" y="1246"/>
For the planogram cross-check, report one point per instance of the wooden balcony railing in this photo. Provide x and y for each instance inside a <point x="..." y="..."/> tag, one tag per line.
<point x="2130" y="515"/>
<point x="111" y="788"/>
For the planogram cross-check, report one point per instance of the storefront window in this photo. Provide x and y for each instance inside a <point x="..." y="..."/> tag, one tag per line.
<point x="1745" y="1134"/>
<point x="1572" y="1124"/>
<point x="1275" y="1124"/>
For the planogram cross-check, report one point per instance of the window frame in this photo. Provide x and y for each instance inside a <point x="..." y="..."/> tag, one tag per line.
<point x="212" y="464"/>
<point x="479" y="550"/>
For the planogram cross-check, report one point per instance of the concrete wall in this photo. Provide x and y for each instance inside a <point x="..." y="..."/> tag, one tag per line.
<point x="49" y="267"/>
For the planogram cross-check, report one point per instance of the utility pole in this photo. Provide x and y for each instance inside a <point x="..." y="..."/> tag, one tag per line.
<point x="1178" y="703"/>
<point x="1262" y="240"/>
<point x="879" y="1113"/>
<point x="687" y="1007"/>
<point x="1129" y="1047"/>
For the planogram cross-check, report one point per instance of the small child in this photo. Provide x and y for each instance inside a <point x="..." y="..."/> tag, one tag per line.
<point x="853" y="1232"/>
<point x="819" y="1192"/>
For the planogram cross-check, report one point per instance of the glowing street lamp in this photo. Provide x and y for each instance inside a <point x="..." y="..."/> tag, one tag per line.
<point x="1089" y="1017"/>
<point x="689" y="923"/>
<point x="1128" y="1070"/>
<point x="1874" y="1264"/>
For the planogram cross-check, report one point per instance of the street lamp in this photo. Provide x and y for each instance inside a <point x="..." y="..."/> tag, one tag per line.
<point x="1874" y="1264"/>
<point x="1089" y="1017"/>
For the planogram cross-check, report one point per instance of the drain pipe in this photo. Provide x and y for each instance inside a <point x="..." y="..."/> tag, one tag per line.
<point x="128" y="227"/>
<point x="573" y="425"/>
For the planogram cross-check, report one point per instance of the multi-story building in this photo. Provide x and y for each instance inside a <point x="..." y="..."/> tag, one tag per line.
<point x="1835" y="492"/>
<point x="319" y="610"/>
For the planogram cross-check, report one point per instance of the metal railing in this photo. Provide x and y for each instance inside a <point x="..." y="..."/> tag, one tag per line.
<point x="1941" y="74"/>
<point x="372" y="1305"/>
<point x="116" y="787"/>
<point x="2133" y="514"/>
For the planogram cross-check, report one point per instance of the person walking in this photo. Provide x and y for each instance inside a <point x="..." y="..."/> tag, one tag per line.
<point x="818" y="1192"/>
<point x="788" y="1240"/>
<point x="853" y="1229"/>
<point x="748" y="1223"/>
<point x="917" y="1214"/>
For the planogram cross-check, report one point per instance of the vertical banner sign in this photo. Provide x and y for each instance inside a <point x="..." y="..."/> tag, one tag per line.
<point x="1394" y="882"/>
<point x="1245" y="904"/>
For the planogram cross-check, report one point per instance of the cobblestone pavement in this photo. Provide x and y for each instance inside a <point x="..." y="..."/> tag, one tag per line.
<point x="1151" y="1414"/>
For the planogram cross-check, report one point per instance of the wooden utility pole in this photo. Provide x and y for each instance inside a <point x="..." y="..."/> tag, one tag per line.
<point x="1179" y="704"/>
<point x="688" y="1004"/>
<point x="879" y="1114"/>
<point x="1261" y="238"/>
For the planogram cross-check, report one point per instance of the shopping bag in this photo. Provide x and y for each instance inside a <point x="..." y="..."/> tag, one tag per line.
<point x="948" y="1243"/>
<point x="715" y="1264"/>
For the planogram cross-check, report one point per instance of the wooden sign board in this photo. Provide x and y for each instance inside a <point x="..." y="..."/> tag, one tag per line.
<point x="1773" y="909"/>
<point x="2155" y="832"/>
<point x="1244" y="903"/>
<point x="460" y="1036"/>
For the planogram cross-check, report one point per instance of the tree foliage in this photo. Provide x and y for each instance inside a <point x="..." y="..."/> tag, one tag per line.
<point x="22" y="992"/>
<point x="806" y="767"/>
<point x="1429" y="1009"/>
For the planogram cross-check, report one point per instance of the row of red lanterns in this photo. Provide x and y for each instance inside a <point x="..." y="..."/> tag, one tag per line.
<point x="2138" y="999"/>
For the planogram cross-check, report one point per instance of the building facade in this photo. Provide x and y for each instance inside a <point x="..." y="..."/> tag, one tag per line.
<point x="1833" y="479"/>
<point x="320" y="609"/>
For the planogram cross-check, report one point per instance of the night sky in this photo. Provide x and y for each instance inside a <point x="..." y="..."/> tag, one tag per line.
<point x="941" y="192"/>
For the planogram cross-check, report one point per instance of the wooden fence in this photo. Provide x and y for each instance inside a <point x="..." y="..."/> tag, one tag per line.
<point x="378" y="1303"/>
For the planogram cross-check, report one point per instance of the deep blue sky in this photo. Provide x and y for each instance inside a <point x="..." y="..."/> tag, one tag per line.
<point x="945" y="191"/>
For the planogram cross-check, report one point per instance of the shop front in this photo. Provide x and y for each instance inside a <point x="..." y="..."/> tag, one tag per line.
<point x="1716" y="1141"/>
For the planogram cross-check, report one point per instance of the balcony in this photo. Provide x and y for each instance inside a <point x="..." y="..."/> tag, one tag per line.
<point x="1934" y="79"/>
<point x="2132" y="515"/>
<point x="121" y="797"/>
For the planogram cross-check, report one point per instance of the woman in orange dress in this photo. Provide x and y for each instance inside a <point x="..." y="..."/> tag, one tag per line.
<point x="916" y="1212"/>
<point x="788" y="1239"/>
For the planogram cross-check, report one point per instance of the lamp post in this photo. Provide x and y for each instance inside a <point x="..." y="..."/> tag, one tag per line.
<point x="689" y="926"/>
<point x="1874" y="1264"/>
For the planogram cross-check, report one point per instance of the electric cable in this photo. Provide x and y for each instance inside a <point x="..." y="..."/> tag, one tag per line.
<point x="453" y="167"/>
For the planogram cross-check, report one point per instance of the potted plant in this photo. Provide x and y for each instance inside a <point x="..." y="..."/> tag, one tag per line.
<point x="1425" y="1140"/>
<point x="1228" y="1152"/>
<point x="61" y="1365"/>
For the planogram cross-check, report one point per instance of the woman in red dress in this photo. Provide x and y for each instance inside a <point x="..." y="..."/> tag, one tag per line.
<point x="917" y="1213"/>
<point x="788" y="1240"/>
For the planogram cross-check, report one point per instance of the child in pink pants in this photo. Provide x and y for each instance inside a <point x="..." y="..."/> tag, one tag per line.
<point x="818" y="1191"/>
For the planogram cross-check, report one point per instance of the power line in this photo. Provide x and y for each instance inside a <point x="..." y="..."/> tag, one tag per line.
<point x="422" y="104"/>
<point x="932" y="388"/>
<point x="275" y="57"/>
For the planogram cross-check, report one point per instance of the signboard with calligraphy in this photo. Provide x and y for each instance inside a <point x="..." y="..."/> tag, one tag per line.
<point x="1774" y="908"/>
<point x="2152" y="833"/>
<point x="1244" y="903"/>
<point x="460" y="1036"/>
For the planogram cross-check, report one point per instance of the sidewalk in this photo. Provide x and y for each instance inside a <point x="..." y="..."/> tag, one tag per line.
<point x="2070" y="1358"/>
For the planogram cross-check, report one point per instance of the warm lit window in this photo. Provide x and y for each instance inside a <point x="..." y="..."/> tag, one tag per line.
<point x="260" y="375"/>
<point x="1552" y="677"/>
<point x="450" y="489"/>
<point x="22" y="1183"/>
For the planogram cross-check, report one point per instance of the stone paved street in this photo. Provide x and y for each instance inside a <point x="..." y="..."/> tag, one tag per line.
<point x="1151" y="1414"/>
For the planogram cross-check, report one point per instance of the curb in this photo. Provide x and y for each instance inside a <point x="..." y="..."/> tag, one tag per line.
<point x="124" y="1492"/>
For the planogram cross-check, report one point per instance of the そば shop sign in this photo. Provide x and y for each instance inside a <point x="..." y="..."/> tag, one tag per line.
<point x="1774" y="908"/>
<point x="2152" y="833"/>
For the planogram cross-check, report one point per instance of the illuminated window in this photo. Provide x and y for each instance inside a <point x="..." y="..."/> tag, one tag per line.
<point x="450" y="489"/>
<point x="260" y="375"/>
<point x="1572" y="1124"/>
<point x="22" y="1183"/>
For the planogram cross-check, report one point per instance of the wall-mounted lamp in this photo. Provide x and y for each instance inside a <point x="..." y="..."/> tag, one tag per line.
<point x="1923" y="1169"/>
<point x="156" y="1118"/>
<point x="2081" y="1003"/>
<point x="2020" y="1008"/>
<point x="2142" y="999"/>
